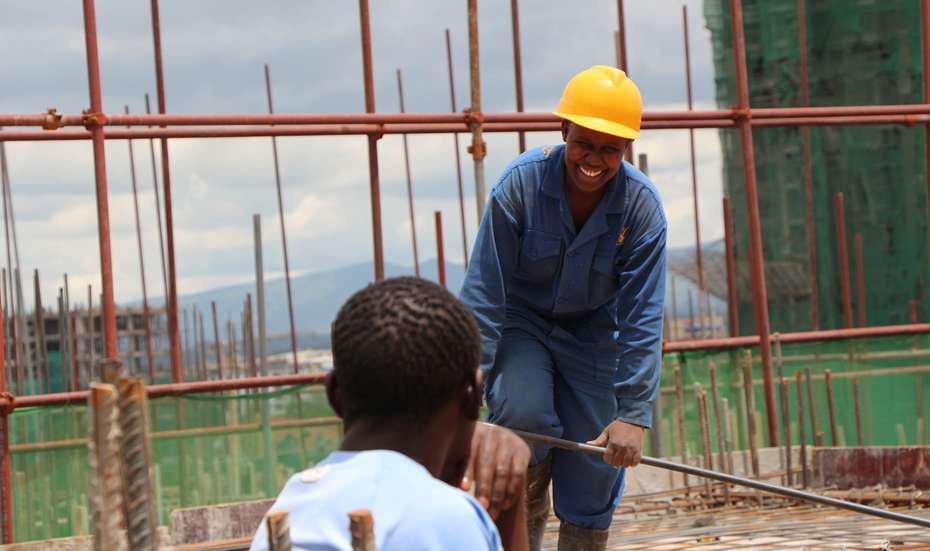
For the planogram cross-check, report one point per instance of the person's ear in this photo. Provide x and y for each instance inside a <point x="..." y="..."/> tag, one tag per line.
<point x="332" y="393"/>
<point x="472" y="396"/>
<point x="565" y="126"/>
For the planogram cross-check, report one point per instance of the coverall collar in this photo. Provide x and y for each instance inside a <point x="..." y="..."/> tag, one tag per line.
<point x="611" y="203"/>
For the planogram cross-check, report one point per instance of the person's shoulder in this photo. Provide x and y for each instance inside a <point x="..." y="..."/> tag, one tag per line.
<point x="444" y="517"/>
<point x="642" y="194"/>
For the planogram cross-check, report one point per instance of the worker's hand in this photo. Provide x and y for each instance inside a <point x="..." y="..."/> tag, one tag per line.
<point x="624" y="443"/>
<point x="497" y="468"/>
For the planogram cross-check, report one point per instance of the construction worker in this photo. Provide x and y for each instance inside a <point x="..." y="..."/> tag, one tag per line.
<point x="566" y="282"/>
<point x="406" y="383"/>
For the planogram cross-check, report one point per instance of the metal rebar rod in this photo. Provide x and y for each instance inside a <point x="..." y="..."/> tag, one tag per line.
<point x="287" y="266"/>
<point x="718" y="418"/>
<point x="517" y="66"/>
<point x="756" y="264"/>
<point x="410" y="209"/>
<point x="810" y="401"/>
<point x="751" y="411"/>
<point x="440" y="250"/>
<point x="478" y="148"/>
<point x="732" y="306"/>
<point x="620" y="41"/>
<point x="145" y="296"/>
<point x="260" y="294"/>
<point x="732" y="479"/>
<point x="860" y="281"/>
<point x="139" y="491"/>
<point x="680" y="415"/>
<point x="15" y="334"/>
<point x="374" y="182"/>
<point x="458" y="159"/>
<point x="857" y="407"/>
<point x="41" y="350"/>
<point x="105" y="488"/>
<point x="808" y="170"/>
<point x="828" y="383"/>
<point x="218" y="344"/>
<point x="161" y="233"/>
<point x="785" y="406"/>
<point x="174" y="333"/>
<point x="6" y="485"/>
<point x="701" y="401"/>
<point x="698" y="261"/>
<point x="802" y="437"/>
<point x="925" y="51"/>
<point x="842" y="257"/>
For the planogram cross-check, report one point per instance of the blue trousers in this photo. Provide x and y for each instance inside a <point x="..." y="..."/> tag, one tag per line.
<point x="548" y="385"/>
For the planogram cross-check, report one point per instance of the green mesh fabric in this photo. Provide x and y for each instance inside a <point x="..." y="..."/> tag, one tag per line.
<point x="860" y="52"/>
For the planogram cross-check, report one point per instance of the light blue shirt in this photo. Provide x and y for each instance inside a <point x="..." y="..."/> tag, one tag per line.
<point x="412" y="511"/>
<point x="601" y="288"/>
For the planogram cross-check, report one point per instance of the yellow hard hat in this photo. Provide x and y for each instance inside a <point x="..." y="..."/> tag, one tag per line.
<point x="603" y="99"/>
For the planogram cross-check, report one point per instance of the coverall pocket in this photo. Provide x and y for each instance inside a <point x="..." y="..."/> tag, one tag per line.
<point x="604" y="281"/>
<point x="540" y="255"/>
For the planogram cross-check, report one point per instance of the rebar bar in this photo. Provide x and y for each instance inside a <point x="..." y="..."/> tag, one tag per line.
<point x="105" y="480"/>
<point x="373" y="178"/>
<point x="411" y="211"/>
<point x="458" y="159"/>
<point x="139" y="491"/>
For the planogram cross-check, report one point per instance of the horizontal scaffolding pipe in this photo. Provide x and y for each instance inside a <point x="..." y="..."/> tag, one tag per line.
<point x="171" y="389"/>
<point x="800" y="337"/>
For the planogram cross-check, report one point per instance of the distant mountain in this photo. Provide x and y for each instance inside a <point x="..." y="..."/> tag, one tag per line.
<point x="317" y="296"/>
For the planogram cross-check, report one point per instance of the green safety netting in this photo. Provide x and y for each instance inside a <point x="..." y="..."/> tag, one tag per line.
<point x="220" y="453"/>
<point x="228" y="447"/>
<point x="860" y="52"/>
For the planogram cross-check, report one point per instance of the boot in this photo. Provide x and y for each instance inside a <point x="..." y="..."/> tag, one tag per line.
<point x="537" y="501"/>
<point x="576" y="538"/>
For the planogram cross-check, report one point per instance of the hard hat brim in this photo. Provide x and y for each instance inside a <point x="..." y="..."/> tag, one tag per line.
<point x="600" y="125"/>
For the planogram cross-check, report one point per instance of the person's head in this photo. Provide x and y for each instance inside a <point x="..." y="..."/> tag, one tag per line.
<point x="405" y="349"/>
<point x="602" y="111"/>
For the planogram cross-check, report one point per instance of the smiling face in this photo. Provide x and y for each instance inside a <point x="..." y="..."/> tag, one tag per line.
<point x="591" y="158"/>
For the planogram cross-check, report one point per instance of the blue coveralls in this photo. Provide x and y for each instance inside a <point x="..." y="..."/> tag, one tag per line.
<point x="571" y="322"/>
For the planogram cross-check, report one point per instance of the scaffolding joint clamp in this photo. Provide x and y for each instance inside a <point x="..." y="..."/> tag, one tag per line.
<point x="741" y="114"/>
<point x="473" y="119"/>
<point x="93" y="119"/>
<point x="478" y="149"/>
<point x="53" y="119"/>
<point x="7" y="403"/>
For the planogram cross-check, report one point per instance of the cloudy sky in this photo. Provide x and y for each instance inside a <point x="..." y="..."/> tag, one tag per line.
<point x="213" y="54"/>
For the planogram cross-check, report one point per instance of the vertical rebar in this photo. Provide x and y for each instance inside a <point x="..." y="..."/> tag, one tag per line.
<point x="857" y="407"/>
<point x="802" y="437"/>
<point x="701" y="400"/>
<point x="187" y="342"/>
<point x="804" y="94"/>
<point x="517" y="66"/>
<point x="810" y="403"/>
<point x="161" y="233"/>
<point x="362" y="529"/>
<point x="139" y="491"/>
<point x="785" y="415"/>
<point x="105" y="478"/>
<point x="620" y="40"/>
<point x="925" y="50"/>
<point x="260" y="293"/>
<point x="757" y="269"/>
<point x="6" y="484"/>
<point x="41" y="349"/>
<point x="440" y="249"/>
<point x="250" y="336"/>
<point x="842" y="257"/>
<point x="91" y="336"/>
<point x="732" y="310"/>
<point x="204" y="374"/>
<point x="728" y="438"/>
<point x="750" y="410"/>
<point x="458" y="160"/>
<point x="698" y="261"/>
<point x="718" y="419"/>
<point x="374" y="183"/>
<point x="145" y="297"/>
<point x="860" y="281"/>
<point x="287" y="266"/>
<point x="71" y="335"/>
<point x="413" y="219"/>
<point x="477" y="147"/>
<point x="174" y="333"/>
<point x="680" y="414"/>
<point x="21" y="357"/>
<point x="279" y="531"/>
<point x="828" y="383"/>
<point x="216" y="341"/>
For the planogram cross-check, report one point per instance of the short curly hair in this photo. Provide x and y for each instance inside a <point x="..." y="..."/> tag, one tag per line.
<point x="402" y="347"/>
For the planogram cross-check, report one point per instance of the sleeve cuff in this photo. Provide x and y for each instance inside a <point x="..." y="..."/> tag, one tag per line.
<point x="635" y="412"/>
